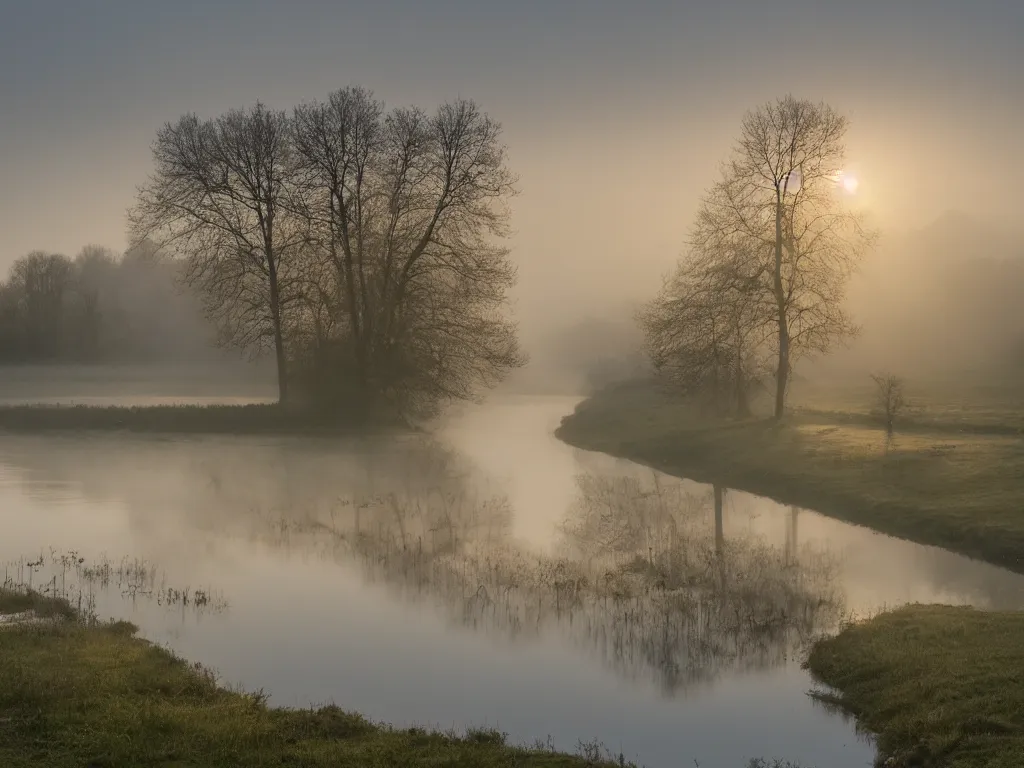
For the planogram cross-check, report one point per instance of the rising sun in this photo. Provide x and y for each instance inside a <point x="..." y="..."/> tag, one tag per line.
<point x="849" y="183"/>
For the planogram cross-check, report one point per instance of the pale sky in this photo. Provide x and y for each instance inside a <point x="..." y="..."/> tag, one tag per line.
<point x="615" y="114"/>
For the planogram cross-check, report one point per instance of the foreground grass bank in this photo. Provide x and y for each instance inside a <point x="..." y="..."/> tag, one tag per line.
<point x="77" y="694"/>
<point x="939" y="686"/>
<point x="213" y="419"/>
<point x="956" y="485"/>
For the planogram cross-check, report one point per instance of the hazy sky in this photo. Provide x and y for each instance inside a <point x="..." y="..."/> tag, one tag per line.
<point x="615" y="113"/>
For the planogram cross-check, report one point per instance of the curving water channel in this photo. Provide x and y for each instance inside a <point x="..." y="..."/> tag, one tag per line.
<point x="488" y="576"/>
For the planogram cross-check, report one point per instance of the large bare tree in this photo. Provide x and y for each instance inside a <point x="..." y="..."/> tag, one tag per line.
<point x="409" y="209"/>
<point x="779" y="199"/>
<point x="219" y="197"/>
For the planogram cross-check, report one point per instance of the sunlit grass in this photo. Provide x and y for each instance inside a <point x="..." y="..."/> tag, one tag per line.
<point x="990" y="408"/>
<point x="938" y="685"/>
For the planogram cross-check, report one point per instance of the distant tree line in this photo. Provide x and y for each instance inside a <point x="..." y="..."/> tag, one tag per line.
<point x="98" y="307"/>
<point x="360" y="246"/>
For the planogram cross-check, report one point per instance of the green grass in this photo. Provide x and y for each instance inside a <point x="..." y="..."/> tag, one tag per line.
<point x="940" y="483"/>
<point x="939" y="686"/>
<point x="21" y="601"/>
<point x="229" y="419"/>
<point x="74" y="693"/>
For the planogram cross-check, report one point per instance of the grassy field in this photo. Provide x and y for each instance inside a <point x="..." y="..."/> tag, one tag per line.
<point x="75" y="693"/>
<point x="227" y="419"/>
<point x="953" y="477"/>
<point x="940" y="686"/>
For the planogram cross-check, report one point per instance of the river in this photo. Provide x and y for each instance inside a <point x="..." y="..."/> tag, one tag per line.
<point x="489" y="576"/>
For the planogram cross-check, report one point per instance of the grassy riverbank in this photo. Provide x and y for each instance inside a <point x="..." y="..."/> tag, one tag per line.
<point x="74" y="693"/>
<point x="213" y="419"/>
<point x="940" y="686"/>
<point x="951" y="479"/>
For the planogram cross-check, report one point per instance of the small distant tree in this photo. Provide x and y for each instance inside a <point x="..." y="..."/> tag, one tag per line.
<point x="889" y="398"/>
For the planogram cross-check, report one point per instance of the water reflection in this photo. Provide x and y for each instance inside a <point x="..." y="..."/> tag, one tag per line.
<point x="642" y="575"/>
<point x="394" y="576"/>
<point x="644" y="578"/>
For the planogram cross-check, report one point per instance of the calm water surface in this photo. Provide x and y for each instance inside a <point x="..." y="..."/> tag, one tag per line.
<point x="491" y="576"/>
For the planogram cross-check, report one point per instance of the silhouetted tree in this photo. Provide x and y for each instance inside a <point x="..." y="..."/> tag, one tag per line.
<point x="888" y="398"/>
<point x="99" y="307"/>
<point x="407" y="209"/>
<point x="41" y="282"/>
<point x="218" y="197"/>
<point x="777" y="200"/>
<point x="95" y="268"/>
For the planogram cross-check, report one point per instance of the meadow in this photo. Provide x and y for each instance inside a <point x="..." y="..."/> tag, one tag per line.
<point x="894" y="674"/>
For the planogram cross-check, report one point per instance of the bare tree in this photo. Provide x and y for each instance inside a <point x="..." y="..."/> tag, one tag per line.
<point x="888" y="398"/>
<point x="408" y="209"/>
<point x="94" y="270"/>
<point x="778" y="199"/>
<point x="705" y="332"/>
<point x="219" y="198"/>
<point x="43" y="282"/>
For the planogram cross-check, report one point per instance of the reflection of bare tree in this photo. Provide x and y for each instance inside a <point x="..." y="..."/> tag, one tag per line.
<point x="719" y="493"/>
<point x="641" y="580"/>
<point x="791" y="545"/>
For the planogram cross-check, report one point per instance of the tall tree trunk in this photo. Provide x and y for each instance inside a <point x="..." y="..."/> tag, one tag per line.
<point x="355" y="318"/>
<point x="282" y="360"/>
<point x="782" y="374"/>
<point x="742" y="405"/>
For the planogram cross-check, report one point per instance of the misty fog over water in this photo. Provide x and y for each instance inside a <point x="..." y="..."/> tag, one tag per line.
<point x="443" y="580"/>
<point x="778" y="243"/>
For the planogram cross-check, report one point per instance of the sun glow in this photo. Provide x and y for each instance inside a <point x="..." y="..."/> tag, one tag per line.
<point x="848" y="182"/>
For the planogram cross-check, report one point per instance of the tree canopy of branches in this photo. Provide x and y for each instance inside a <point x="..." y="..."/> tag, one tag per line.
<point x="705" y="332"/>
<point x="407" y="208"/>
<point x="218" y="197"/>
<point x="776" y="225"/>
<point x="364" y="243"/>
